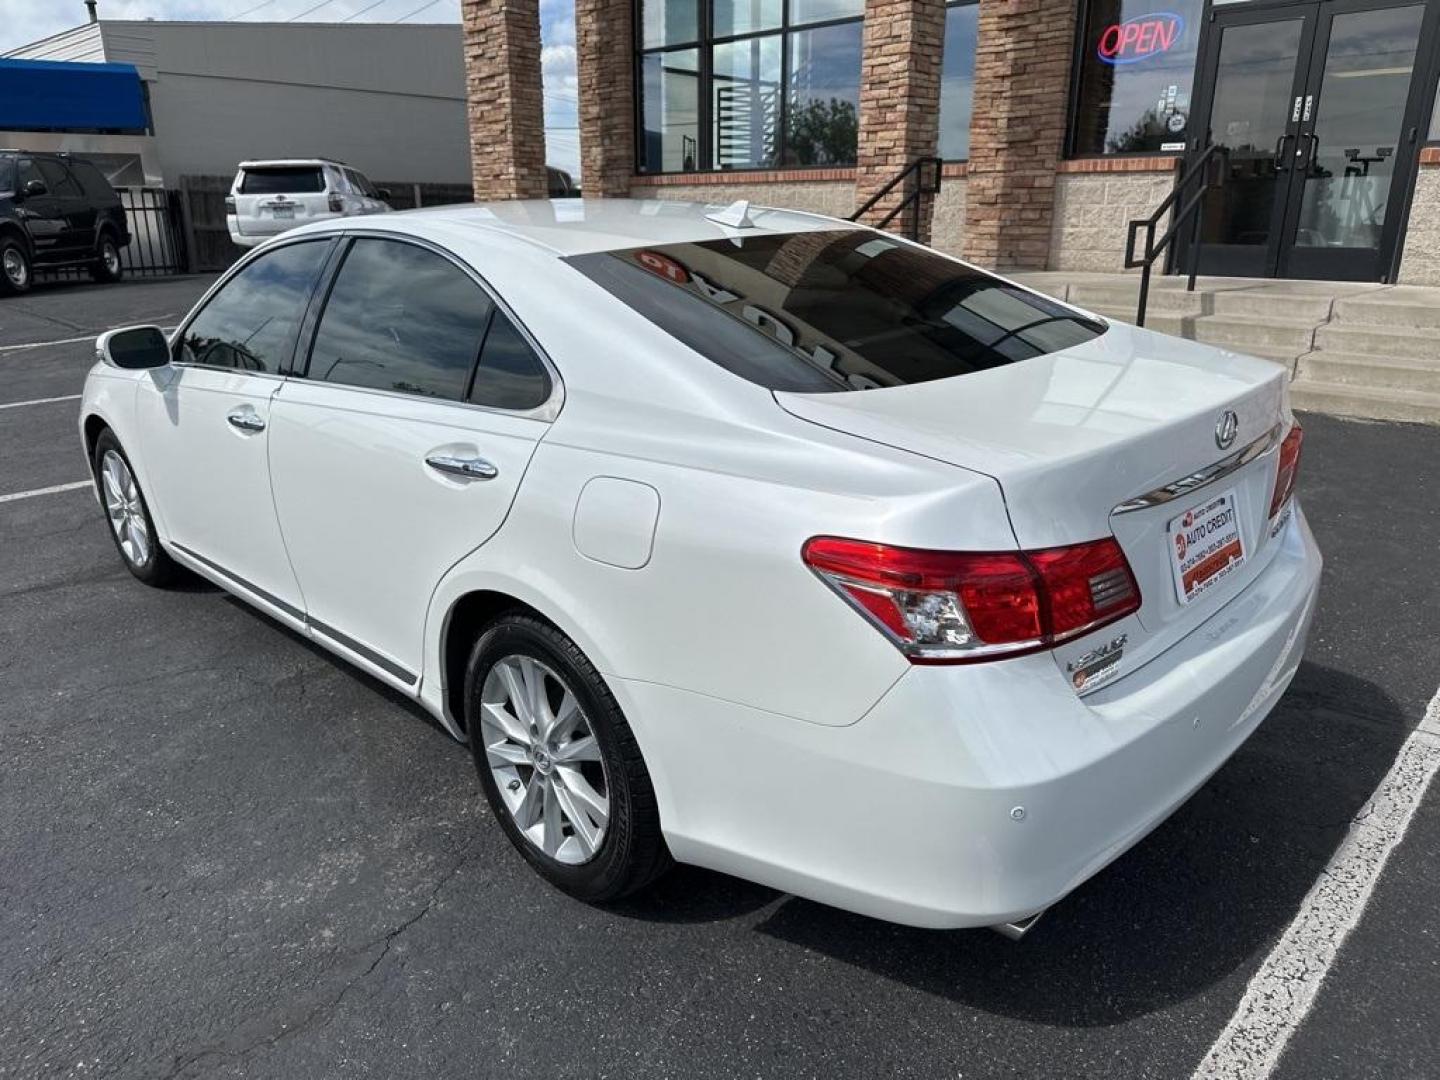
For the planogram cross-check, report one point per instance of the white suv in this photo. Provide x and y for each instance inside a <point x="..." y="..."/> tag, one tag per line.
<point x="269" y="197"/>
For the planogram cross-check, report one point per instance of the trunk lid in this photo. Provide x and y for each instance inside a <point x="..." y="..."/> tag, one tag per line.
<point x="1073" y="435"/>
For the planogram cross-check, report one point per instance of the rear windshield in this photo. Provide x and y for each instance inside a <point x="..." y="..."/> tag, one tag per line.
<point x="282" y="179"/>
<point x="836" y="310"/>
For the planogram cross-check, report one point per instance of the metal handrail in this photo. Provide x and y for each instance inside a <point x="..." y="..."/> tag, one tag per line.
<point x="926" y="173"/>
<point x="1193" y="208"/>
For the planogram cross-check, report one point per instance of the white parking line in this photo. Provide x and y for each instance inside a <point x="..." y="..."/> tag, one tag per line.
<point x="1282" y="991"/>
<point x="55" y="490"/>
<point x="39" y="401"/>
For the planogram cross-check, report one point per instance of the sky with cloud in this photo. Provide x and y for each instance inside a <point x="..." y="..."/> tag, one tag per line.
<point x="24" y="21"/>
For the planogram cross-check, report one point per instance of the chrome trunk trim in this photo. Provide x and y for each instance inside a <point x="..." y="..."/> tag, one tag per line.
<point x="1176" y="489"/>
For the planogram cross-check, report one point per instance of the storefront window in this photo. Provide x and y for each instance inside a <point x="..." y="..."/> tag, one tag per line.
<point x="957" y="79"/>
<point x="670" y="109"/>
<point x="1137" y="64"/>
<point x="748" y="91"/>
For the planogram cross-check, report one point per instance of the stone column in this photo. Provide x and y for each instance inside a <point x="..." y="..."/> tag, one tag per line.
<point x="503" y="98"/>
<point x="899" y="98"/>
<point x="605" y="64"/>
<point x="1017" y="133"/>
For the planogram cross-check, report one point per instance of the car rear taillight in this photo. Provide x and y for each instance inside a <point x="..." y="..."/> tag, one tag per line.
<point x="1289" y="469"/>
<point x="951" y="607"/>
<point x="337" y="203"/>
<point x="230" y="204"/>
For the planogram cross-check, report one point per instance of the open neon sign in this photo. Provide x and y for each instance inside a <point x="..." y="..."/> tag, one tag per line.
<point x="1139" y="38"/>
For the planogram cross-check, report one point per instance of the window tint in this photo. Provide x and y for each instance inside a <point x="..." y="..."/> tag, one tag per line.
<point x="250" y="323"/>
<point x="282" y="179"/>
<point x="360" y="185"/>
<point x="841" y="310"/>
<point x="510" y="375"/>
<point x="28" y="172"/>
<point x="400" y="318"/>
<point x="58" y="179"/>
<point x="7" y="174"/>
<point x="93" y="181"/>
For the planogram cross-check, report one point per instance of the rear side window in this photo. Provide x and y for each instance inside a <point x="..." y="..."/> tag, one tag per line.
<point x="401" y="318"/>
<point x="282" y="180"/>
<point x="97" y="188"/>
<point x="510" y="375"/>
<point x="7" y="174"/>
<point x="359" y="185"/>
<point x="835" y="310"/>
<point x="250" y="323"/>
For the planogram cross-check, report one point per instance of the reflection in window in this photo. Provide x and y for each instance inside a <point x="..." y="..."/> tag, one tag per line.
<point x="510" y="375"/>
<point x="755" y="91"/>
<point x="822" y="119"/>
<point x="732" y="18"/>
<point x="400" y="318"/>
<point x="669" y="22"/>
<point x="670" y="108"/>
<point x="1137" y="64"/>
<point x="957" y="80"/>
<point x="745" y="103"/>
<point x="250" y="323"/>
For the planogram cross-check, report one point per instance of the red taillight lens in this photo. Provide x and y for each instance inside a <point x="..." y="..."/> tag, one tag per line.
<point x="954" y="607"/>
<point x="1289" y="469"/>
<point x="229" y="204"/>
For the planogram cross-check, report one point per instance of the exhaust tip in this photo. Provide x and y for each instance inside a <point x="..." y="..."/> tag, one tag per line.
<point x="1019" y="928"/>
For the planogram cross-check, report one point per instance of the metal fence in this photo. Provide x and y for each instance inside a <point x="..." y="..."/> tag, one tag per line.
<point x="157" y="237"/>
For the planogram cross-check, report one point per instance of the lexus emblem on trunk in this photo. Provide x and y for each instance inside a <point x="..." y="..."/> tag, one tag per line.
<point x="1226" y="428"/>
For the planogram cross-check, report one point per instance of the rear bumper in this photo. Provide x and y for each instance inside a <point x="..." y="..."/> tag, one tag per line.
<point x="974" y="795"/>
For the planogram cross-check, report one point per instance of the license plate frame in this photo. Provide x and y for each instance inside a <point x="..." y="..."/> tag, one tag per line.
<point x="283" y="213"/>
<point x="1206" y="545"/>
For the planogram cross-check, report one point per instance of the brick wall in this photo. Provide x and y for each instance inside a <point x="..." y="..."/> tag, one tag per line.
<point x="795" y="190"/>
<point x="504" y="104"/>
<point x="899" y="96"/>
<point x="1022" y="72"/>
<point x="604" y="64"/>
<point x="1095" y="200"/>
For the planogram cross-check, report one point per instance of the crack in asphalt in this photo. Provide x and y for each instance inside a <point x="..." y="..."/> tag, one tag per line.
<point x="324" y="1012"/>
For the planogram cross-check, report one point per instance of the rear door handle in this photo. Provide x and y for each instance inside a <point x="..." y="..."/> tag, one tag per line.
<point x="470" y="468"/>
<point x="245" y="420"/>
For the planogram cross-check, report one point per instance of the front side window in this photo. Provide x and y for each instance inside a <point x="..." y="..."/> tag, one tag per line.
<point x="834" y="310"/>
<point x="27" y="173"/>
<point x="93" y="181"/>
<point x="400" y="318"/>
<point x="754" y="84"/>
<point x="58" y="179"/>
<point x="1137" y="65"/>
<point x="957" y="79"/>
<point x="250" y="323"/>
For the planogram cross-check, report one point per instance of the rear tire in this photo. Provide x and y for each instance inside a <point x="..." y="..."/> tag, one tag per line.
<point x="106" y="268"/>
<point x="17" y="270"/>
<point x="131" y="526"/>
<point x="560" y="761"/>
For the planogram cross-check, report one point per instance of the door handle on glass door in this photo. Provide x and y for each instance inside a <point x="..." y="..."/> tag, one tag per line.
<point x="245" y="420"/>
<point x="470" y="468"/>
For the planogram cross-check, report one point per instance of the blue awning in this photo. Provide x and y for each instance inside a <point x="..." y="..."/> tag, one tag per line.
<point x="44" y="95"/>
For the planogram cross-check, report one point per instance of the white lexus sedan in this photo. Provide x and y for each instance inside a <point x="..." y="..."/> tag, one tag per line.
<point x="749" y="539"/>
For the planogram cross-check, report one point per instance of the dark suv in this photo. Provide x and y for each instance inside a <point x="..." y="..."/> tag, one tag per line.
<point x="56" y="210"/>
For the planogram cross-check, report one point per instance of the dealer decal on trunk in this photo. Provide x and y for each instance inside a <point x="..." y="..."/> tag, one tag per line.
<point x="1206" y="545"/>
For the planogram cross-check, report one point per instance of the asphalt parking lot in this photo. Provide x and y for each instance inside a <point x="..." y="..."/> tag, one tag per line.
<point x="224" y="853"/>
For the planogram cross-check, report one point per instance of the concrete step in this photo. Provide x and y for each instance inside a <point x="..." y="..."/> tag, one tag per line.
<point x="1268" y="304"/>
<point x="1340" y="399"/>
<point x="1403" y="314"/>
<point x="1374" y="372"/>
<point x="1160" y="321"/>
<point x="1360" y="339"/>
<point x="1124" y="295"/>
<point x="1250" y="333"/>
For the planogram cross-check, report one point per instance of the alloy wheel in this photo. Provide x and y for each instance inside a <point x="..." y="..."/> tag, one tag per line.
<point x="544" y="759"/>
<point x="17" y="271"/>
<point x="110" y="256"/>
<point x="124" y="508"/>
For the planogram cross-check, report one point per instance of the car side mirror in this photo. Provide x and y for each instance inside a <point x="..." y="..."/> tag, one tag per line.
<point x="134" y="347"/>
<point x="35" y="187"/>
<point x="384" y="193"/>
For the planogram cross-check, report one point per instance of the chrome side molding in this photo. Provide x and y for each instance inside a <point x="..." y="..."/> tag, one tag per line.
<point x="1219" y="470"/>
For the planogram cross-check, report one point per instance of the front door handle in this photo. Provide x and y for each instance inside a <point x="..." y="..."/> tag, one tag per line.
<point x="474" y="468"/>
<point x="245" y="420"/>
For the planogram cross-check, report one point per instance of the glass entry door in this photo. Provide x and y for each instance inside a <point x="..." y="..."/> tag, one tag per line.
<point x="1317" y="107"/>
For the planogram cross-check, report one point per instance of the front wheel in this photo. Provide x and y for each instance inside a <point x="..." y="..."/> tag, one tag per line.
<point x="131" y="526"/>
<point x="16" y="270"/>
<point x="106" y="267"/>
<point x="559" y="764"/>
